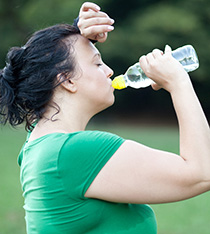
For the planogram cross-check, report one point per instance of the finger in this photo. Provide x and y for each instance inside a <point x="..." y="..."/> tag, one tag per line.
<point x="150" y="58"/>
<point x="143" y="62"/>
<point x="147" y="63"/>
<point x="157" y="53"/>
<point x="97" y="29"/>
<point x="156" y="87"/>
<point x="92" y="14"/>
<point x="89" y="5"/>
<point x="95" y="21"/>
<point x="168" y="49"/>
<point x="101" y="37"/>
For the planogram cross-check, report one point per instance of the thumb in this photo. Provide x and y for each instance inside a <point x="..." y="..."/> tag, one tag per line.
<point x="155" y="86"/>
<point x="167" y="49"/>
<point x="101" y="37"/>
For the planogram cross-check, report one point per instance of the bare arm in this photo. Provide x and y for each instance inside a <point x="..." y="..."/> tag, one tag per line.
<point x="139" y="174"/>
<point x="193" y="126"/>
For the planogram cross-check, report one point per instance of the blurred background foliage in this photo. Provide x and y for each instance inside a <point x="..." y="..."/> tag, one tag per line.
<point x="140" y="26"/>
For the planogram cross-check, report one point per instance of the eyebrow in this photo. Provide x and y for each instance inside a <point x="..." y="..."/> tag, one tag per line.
<point x="97" y="55"/>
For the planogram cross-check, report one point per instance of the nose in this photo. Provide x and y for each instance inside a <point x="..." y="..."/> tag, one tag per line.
<point x="109" y="72"/>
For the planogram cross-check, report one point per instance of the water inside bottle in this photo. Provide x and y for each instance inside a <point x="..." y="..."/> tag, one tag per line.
<point x="187" y="56"/>
<point x="137" y="78"/>
<point x="189" y="64"/>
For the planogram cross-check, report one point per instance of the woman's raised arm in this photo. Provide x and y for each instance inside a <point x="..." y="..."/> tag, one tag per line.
<point x="139" y="174"/>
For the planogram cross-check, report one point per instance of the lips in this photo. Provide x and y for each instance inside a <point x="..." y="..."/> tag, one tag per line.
<point x="110" y="81"/>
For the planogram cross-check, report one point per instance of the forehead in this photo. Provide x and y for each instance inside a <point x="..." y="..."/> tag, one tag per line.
<point x="84" y="49"/>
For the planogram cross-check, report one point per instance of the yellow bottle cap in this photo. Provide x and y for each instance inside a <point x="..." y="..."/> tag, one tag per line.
<point x="119" y="82"/>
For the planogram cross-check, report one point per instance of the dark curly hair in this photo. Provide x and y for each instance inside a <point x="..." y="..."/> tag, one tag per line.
<point x="30" y="75"/>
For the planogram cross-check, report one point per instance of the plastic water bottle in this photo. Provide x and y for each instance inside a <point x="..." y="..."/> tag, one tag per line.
<point x="136" y="78"/>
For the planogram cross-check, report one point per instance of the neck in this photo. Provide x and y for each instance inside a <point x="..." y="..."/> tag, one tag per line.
<point x="70" y="120"/>
<point x="72" y="115"/>
<point x="59" y="123"/>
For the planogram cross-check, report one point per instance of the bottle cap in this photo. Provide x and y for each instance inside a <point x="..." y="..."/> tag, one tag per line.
<point x="119" y="82"/>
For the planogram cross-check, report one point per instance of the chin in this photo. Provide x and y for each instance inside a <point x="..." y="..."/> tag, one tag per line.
<point x="107" y="105"/>
<point x="110" y="104"/>
<point x="112" y="100"/>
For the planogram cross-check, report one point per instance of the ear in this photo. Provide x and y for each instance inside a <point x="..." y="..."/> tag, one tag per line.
<point x="69" y="85"/>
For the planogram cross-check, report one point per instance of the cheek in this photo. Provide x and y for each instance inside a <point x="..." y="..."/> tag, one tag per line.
<point x="95" y="84"/>
<point x="98" y="82"/>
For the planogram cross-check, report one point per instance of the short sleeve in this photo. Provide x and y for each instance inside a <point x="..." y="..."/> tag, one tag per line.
<point x="82" y="157"/>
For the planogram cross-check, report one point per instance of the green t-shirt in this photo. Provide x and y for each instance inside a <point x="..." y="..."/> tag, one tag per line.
<point x="56" y="171"/>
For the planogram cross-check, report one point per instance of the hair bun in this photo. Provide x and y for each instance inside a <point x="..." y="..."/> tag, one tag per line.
<point x="30" y="76"/>
<point x="15" y="61"/>
<point x="9" y="79"/>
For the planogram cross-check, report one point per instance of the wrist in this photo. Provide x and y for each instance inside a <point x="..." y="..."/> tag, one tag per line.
<point x="179" y="83"/>
<point x="75" y="24"/>
<point x="181" y="89"/>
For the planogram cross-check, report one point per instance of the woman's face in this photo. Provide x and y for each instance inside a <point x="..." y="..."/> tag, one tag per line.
<point x="94" y="83"/>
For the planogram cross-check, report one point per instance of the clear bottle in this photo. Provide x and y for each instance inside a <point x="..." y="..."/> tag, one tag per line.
<point x="135" y="77"/>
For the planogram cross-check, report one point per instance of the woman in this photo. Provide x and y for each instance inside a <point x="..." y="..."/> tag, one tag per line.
<point x="77" y="181"/>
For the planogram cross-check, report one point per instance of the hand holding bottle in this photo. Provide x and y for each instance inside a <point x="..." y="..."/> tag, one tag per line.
<point x="136" y="78"/>
<point x="93" y="23"/>
<point x="163" y="69"/>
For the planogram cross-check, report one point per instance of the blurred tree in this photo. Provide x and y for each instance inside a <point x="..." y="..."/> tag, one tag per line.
<point x="39" y="14"/>
<point x="159" y="24"/>
<point x="20" y="18"/>
<point x="154" y="25"/>
<point x="12" y="30"/>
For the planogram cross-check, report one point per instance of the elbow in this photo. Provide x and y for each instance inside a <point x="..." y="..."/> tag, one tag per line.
<point x="198" y="179"/>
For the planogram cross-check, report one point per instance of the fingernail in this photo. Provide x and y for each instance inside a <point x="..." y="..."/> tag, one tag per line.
<point x="101" y="34"/>
<point x="110" y="27"/>
<point x="98" y="8"/>
<point x="112" y="21"/>
<point x="167" y="47"/>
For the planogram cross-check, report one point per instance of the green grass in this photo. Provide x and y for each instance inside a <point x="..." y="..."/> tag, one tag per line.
<point x="191" y="216"/>
<point x="11" y="201"/>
